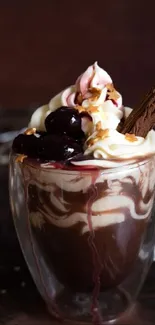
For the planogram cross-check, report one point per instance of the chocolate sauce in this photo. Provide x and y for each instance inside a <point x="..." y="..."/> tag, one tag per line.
<point x="69" y="251"/>
<point x="88" y="259"/>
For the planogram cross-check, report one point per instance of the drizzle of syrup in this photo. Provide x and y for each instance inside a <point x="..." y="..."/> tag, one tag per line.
<point x="59" y="165"/>
<point x="97" y="264"/>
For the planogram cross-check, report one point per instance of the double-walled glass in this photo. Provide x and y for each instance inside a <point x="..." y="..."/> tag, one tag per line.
<point x="87" y="235"/>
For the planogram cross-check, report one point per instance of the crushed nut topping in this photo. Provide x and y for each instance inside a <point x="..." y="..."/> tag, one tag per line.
<point x="111" y="92"/>
<point x="98" y="126"/>
<point x="80" y="108"/>
<point x="92" y="109"/>
<point x="113" y="95"/>
<point x="95" y="93"/>
<point x="30" y="131"/>
<point x="100" y="135"/>
<point x="20" y="158"/>
<point x="110" y="87"/>
<point x="131" y="137"/>
<point x="91" y="142"/>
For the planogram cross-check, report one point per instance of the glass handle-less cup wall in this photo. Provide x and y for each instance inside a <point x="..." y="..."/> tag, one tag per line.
<point x="87" y="235"/>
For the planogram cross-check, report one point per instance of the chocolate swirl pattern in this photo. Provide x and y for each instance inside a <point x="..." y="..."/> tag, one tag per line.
<point x="103" y="214"/>
<point x="61" y="199"/>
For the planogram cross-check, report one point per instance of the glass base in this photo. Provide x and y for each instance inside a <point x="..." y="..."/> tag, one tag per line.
<point x="80" y="308"/>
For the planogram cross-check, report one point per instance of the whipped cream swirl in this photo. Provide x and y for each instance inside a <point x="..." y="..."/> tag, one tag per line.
<point x="91" y="87"/>
<point x="95" y="94"/>
<point x="61" y="197"/>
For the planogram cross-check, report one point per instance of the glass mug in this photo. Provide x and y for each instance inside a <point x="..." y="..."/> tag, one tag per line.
<point x="87" y="235"/>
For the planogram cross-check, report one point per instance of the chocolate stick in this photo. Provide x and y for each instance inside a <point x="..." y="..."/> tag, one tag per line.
<point x="142" y="119"/>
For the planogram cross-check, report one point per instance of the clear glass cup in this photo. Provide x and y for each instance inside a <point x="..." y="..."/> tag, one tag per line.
<point x="87" y="235"/>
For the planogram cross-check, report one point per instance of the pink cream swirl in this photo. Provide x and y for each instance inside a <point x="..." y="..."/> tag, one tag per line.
<point x="96" y="79"/>
<point x="93" y="77"/>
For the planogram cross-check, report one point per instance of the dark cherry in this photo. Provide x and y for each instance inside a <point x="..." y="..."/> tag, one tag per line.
<point x="26" y="144"/>
<point x="58" y="147"/>
<point x="47" y="147"/>
<point x="65" y="120"/>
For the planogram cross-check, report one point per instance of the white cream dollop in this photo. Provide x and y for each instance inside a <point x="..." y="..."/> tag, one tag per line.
<point x="99" y="98"/>
<point x="118" y="145"/>
<point x="109" y="112"/>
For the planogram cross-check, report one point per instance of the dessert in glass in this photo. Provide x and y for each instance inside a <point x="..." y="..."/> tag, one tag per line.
<point x="82" y="193"/>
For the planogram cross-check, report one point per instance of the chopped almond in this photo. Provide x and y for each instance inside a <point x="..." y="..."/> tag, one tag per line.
<point x="113" y="95"/>
<point x="98" y="126"/>
<point x="95" y="94"/>
<point x="131" y="137"/>
<point x="110" y="87"/>
<point x="92" y="141"/>
<point x="102" y="133"/>
<point x="95" y="91"/>
<point x="80" y="108"/>
<point x="92" y="109"/>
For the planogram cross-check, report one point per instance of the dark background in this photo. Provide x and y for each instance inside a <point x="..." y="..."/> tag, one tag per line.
<point x="45" y="45"/>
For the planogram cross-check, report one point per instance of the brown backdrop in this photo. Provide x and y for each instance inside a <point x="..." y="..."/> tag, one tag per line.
<point x="44" y="45"/>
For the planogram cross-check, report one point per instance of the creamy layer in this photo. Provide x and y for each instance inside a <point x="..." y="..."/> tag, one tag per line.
<point x="64" y="198"/>
<point x="94" y="93"/>
<point x="115" y="144"/>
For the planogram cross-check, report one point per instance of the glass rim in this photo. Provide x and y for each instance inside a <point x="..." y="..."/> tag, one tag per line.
<point x="84" y="169"/>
